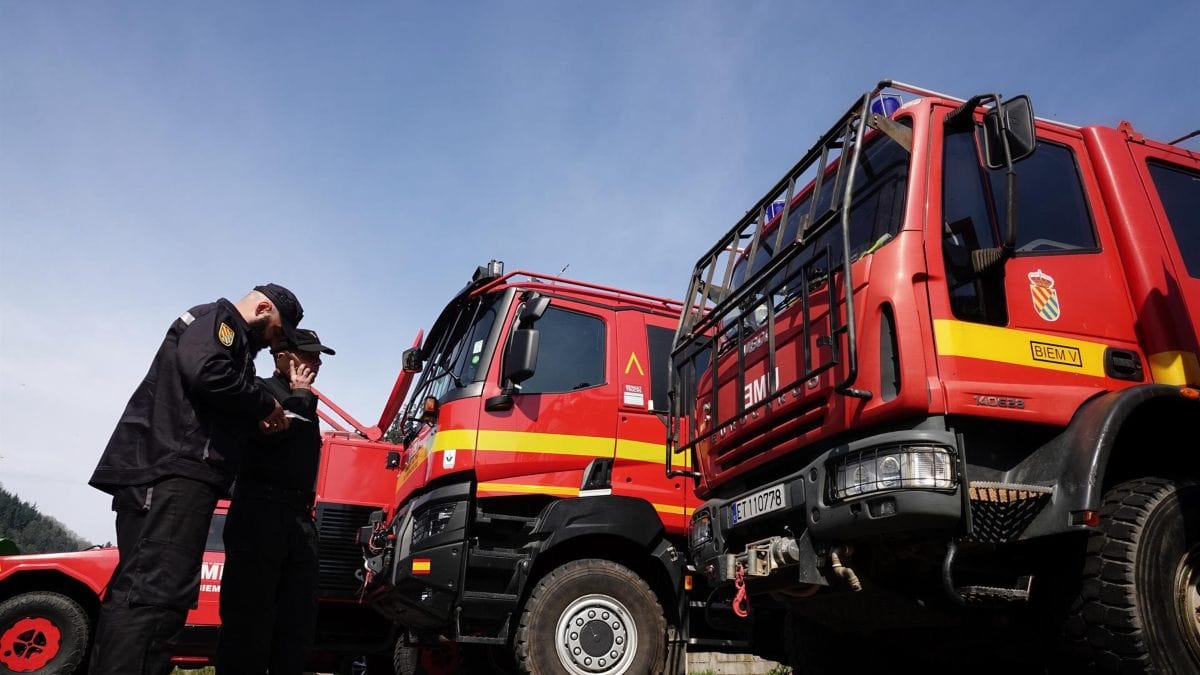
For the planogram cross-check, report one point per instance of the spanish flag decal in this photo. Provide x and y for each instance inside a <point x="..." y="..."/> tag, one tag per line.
<point x="420" y="566"/>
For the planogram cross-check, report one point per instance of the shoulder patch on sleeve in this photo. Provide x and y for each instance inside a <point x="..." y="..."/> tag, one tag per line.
<point x="225" y="334"/>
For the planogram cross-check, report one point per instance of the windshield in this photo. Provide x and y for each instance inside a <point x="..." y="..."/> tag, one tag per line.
<point x="455" y="350"/>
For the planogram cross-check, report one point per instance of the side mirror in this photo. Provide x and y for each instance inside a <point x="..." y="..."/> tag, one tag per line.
<point x="533" y="309"/>
<point x="413" y="360"/>
<point x="520" y="361"/>
<point x="1008" y="133"/>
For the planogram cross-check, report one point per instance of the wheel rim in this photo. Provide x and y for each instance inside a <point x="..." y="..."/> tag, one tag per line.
<point x="29" y="644"/>
<point x="596" y="635"/>
<point x="1187" y="593"/>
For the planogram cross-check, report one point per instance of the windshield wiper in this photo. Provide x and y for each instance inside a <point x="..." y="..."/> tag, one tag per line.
<point x="446" y="371"/>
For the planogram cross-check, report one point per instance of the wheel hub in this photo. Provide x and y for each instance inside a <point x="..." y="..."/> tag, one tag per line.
<point x="29" y="644"/>
<point x="596" y="635"/>
<point x="1187" y="591"/>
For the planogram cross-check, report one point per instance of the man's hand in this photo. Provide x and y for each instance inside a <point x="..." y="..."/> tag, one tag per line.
<point x="301" y="375"/>
<point x="275" y="422"/>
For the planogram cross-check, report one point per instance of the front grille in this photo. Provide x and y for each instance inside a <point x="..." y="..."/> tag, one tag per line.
<point x="340" y="555"/>
<point x="1000" y="512"/>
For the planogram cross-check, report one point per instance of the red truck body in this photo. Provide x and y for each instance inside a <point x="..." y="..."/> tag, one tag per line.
<point x="926" y="383"/>
<point x="532" y="458"/>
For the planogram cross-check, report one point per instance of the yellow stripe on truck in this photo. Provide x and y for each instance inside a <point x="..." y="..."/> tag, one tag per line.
<point x="530" y="489"/>
<point x="454" y="439"/>
<point x="550" y="444"/>
<point x="1177" y="368"/>
<point x="559" y="491"/>
<point x="652" y="453"/>
<point x="1018" y="347"/>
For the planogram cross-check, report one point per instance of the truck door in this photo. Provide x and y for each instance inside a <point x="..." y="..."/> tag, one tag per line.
<point x="1172" y="184"/>
<point x="1059" y="316"/>
<point x="563" y="416"/>
<point x="644" y="356"/>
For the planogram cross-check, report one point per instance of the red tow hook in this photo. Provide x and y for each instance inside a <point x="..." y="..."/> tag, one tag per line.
<point x="741" y="602"/>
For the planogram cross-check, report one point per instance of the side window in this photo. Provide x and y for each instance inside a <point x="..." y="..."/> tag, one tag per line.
<point x="1179" y="191"/>
<point x="215" y="529"/>
<point x="1052" y="211"/>
<point x="966" y="227"/>
<point x="659" y="340"/>
<point x="571" y="350"/>
<point x="1052" y="217"/>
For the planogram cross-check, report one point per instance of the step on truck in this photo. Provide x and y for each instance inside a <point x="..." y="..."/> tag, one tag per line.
<point x="943" y="376"/>
<point x="532" y="526"/>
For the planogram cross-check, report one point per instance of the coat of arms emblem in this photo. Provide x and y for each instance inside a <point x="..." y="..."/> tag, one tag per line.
<point x="1045" y="298"/>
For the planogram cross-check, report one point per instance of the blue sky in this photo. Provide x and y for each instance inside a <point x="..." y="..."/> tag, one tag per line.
<point x="369" y="155"/>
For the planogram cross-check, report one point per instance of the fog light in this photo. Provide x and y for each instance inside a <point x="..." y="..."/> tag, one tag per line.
<point x="431" y="522"/>
<point x="701" y="530"/>
<point x="907" y="467"/>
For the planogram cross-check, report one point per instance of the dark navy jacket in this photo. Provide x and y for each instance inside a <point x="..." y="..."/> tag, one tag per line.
<point x="288" y="459"/>
<point x="194" y="410"/>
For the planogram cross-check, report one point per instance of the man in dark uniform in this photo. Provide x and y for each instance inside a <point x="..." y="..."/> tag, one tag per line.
<point x="173" y="453"/>
<point x="269" y="584"/>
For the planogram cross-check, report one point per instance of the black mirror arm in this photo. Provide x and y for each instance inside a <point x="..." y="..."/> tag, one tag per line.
<point x="1010" y="208"/>
<point x="964" y="115"/>
<point x="985" y="260"/>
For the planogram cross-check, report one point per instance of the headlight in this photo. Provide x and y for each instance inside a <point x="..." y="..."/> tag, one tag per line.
<point x="701" y="532"/>
<point x="431" y="521"/>
<point x="918" y="466"/>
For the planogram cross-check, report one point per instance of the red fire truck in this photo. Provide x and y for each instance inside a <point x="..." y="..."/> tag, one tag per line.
<point x="532" y="524"/>
<point x="919" y="397"/>
<point x="49" y="603"/>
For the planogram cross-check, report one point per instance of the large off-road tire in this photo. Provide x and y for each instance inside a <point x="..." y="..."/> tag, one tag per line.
<point x="42" y="632"/>
<point x="1139" y="604"/>
<point x="591" y="617"/>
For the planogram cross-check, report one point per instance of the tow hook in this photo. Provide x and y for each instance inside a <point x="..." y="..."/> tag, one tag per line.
<point x="835" y="562"/>
<point x="741" y="602"/>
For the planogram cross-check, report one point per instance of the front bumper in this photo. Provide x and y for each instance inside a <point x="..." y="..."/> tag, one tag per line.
<point x="810" y="515"/>
<point x="425" y="579"/>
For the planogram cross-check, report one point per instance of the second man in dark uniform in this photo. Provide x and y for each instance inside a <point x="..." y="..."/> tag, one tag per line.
<point x="269" y="586"/>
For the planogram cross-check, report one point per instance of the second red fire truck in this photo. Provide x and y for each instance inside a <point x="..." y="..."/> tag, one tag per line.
<point x="532" y="523"/>
<point x="943" y="376"/>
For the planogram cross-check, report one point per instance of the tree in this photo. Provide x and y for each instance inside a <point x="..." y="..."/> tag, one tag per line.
<point x="33" y="532"/>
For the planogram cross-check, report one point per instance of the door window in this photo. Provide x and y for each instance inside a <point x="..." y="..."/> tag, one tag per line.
<point x="1179" y="191"/>
<point x="571" y="349"/>
<point x="659" y="340"/>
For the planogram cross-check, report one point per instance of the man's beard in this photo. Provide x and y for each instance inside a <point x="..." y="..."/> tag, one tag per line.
<point x="257" y="338"/>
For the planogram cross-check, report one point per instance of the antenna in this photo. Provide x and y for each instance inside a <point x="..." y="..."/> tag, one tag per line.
<point x="564" y="269"/>
<point x="1177" y="141"/>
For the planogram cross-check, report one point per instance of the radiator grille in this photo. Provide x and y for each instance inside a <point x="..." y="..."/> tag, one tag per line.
<point x="340" y="555"/>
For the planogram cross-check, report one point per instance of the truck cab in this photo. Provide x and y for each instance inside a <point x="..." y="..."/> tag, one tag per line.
<point x="531" y="499"/>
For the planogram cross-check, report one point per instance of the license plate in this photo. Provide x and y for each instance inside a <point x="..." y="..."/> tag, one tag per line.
<point x="764" y="501"/>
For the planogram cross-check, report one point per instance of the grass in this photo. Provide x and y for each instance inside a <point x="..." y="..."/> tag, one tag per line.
<point x="777" y="670"/>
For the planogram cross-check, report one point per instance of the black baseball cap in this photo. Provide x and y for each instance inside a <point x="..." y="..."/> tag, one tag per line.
<point x="290" y="311"/>
<point x="307" y="341"/>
